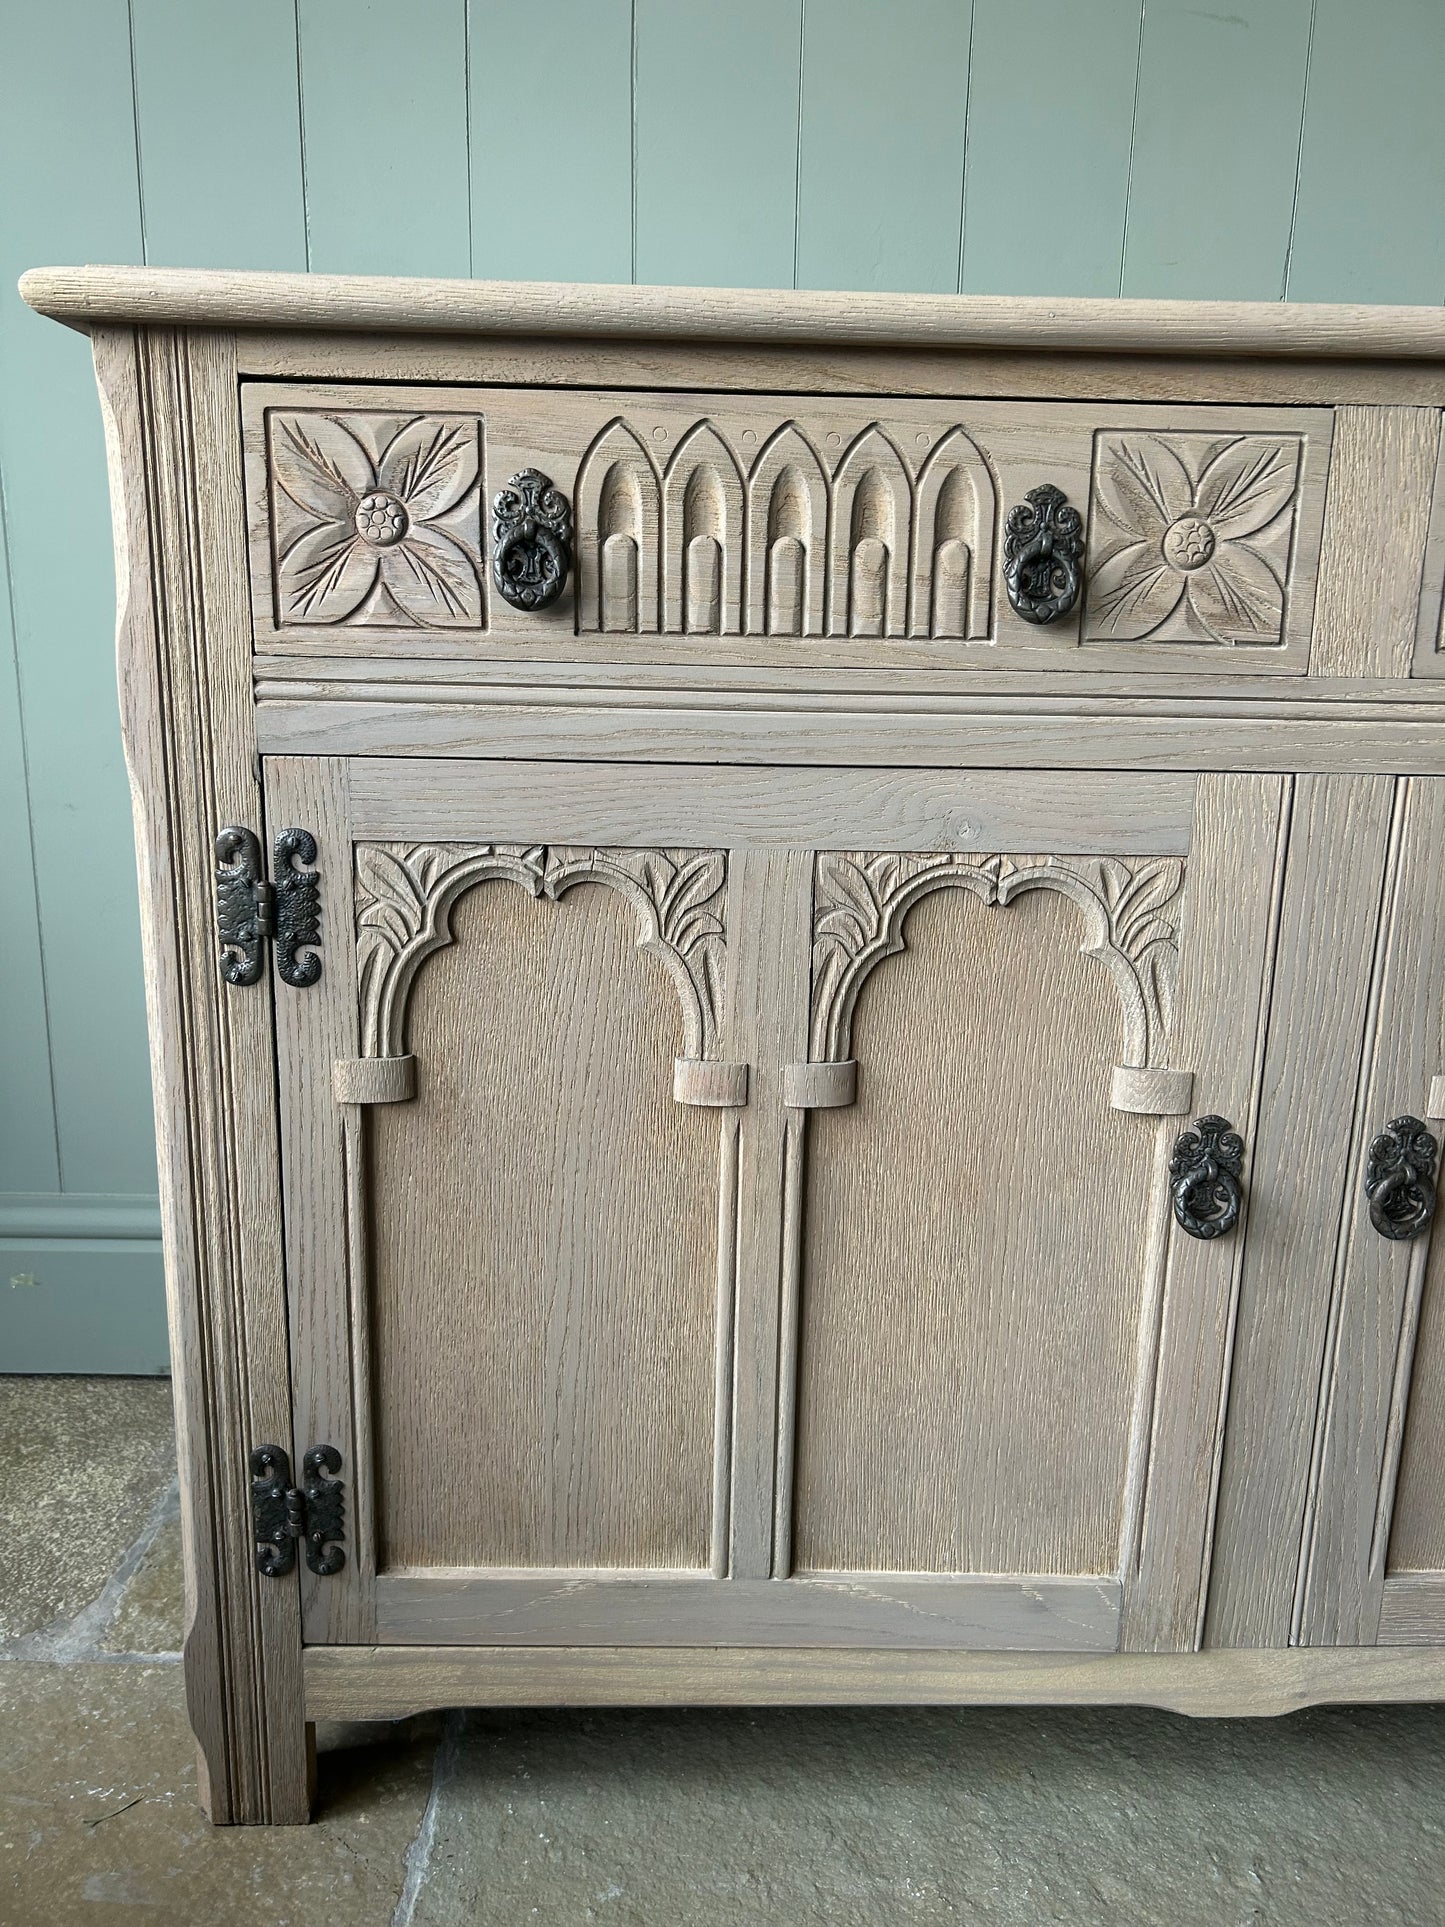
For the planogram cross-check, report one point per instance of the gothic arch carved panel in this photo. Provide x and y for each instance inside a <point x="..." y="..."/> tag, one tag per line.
<point x="1131" y="925"/>
<point x="787" y="537"/>
<point x="617" y="516"/>
<point x="702" y="536"/>
<point x="868" y="573"/>
<point x="405" y="895"/>
<point x="954" y="515"/>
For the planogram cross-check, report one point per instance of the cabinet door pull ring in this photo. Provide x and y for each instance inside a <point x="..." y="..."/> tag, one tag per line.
<point x="531" y="541"/>
<point x="1204" y="1178"/>
<point x="1400" y="1178"/>
<point x="1043" y="552"/>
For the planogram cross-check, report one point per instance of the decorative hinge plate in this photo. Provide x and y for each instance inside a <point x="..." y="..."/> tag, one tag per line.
<point x="251" y="912"/>
<point x="313" y="1513"/>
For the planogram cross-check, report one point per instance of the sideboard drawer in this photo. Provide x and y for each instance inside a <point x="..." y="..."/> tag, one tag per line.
<point x="766" y="530"/>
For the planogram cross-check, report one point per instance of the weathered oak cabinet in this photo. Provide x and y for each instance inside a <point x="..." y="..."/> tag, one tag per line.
<point x="797" y="976"/>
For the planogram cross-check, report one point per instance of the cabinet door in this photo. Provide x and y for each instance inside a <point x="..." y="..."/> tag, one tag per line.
<point x="1374" y="1567"/>
<point x="732" y="1206"/>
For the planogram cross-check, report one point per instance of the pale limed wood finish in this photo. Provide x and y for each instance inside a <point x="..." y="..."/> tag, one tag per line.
<point x="524" y="1000"/>
<point x="183" y="648"/>
<point x="198" y="297"/>
<point x="387" y="1682"/>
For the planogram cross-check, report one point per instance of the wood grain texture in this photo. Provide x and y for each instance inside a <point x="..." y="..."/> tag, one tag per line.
<point x="1369" y="1401"/>
<point x="388" y="1682"/>
<point x="1382" y="478"/>
<point x="1299" y="1164"/>
<point x="984" y="1053"/>
<point x="546" y="1202"/>
<point x="83" y="296"/>
<point x="1229" y="928"/>
<point x="1412" y="1609"/>
<point x="761" y="808"/>
<point x="984" y="1612"/>
<point x="183" y="646"/>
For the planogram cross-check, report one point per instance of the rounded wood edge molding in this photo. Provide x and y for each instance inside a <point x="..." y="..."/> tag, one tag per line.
<point x="1151" y="1093"/>
<point x="820" y="1087"/>
<point x="701" y="1080"/>
<point x="1435" y="1103"/>
<point x="373" y="1080"/>
<point x="86" y="296"/>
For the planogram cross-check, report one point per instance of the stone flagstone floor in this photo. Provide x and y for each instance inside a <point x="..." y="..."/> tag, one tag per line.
<point x="855" y="1818"/>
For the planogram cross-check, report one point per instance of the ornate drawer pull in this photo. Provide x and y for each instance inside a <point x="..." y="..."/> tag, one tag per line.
<point x="1204" y="1178"/>
<point x="531" y="541"/>
<point x="1043" y="553"/>
<point x="1400" y="1178"/>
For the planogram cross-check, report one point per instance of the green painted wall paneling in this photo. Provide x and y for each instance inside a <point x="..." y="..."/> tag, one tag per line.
<point x="1001" y="146"/>
<point x="551" y="139"/>
<point x="384" y="136"/>
<point x="880" y="144"/>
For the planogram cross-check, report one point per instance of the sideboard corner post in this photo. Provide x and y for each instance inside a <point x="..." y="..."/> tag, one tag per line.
<point x="183" y="659"/>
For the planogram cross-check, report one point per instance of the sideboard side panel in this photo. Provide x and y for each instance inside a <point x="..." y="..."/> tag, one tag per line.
<point x="183" y="654"/>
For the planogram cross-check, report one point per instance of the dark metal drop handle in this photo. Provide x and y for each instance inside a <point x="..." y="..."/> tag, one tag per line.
<point x="1043" y="554"/>
<point x="531" y="541"/>
<point x="1400" y="1179"/>
<point x="1204" y="1178"/>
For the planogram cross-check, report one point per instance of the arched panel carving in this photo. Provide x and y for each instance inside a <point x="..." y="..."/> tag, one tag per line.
<point x="787" y="537"/>
<point x="868" y="593"/>
<point x="617" y="513"/>
<point x="405" y="895"/>
<point x="702" y="536"/>
<point x="1131" y="924"/>
<point x="955" y="509"/>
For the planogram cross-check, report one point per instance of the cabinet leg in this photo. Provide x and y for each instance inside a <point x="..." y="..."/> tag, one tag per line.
<point x="250" y="1771"/>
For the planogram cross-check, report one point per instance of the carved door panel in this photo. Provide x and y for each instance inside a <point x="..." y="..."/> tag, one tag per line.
<point x="1374" y="1555"/>
<point x="618" y="1343"/>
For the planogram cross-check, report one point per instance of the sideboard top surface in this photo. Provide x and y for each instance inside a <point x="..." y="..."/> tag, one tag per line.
<point x="93" y="296"/>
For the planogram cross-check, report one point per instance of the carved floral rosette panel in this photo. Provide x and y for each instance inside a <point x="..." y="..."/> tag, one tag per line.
<point x="374" y="520"/>
<point x="1191" y="538"/>
<point x="406" y="893"/>
<point x="1130" y="911"/>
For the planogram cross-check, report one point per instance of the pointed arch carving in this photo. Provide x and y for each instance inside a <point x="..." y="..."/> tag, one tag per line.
<point x="787" y="503"/>
<point x="617" y="496"/>
<point x="1130" y="907"/>
<point x="702" y="536"/>
<point x="955" y="511"/>
<point x="406" y="894"/>
<point x="871" y="526"/>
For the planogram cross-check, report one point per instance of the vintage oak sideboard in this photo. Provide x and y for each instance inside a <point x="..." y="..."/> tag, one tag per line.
<point x="796" y="963"/>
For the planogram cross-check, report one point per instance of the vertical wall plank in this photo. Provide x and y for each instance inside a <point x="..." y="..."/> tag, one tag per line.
<point x="716" y="133"/>
<point x="384" y="136"/>
<point x="1372" y="163"/>
<point x="572" y="60"/>
<point x="219" y="133"/>
<point x="880" y="159"/>
<point x="28" y="1159"/>
<point x="1046" y="182"/>
<point x="67" y="158"/>
<point x="1216" y="139"/>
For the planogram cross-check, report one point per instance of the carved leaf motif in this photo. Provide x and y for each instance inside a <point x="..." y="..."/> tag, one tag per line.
<point x="1192" y="537"/>
<point x="405" y="896"/>
<point x="860" y="902"/>
<point x="376" y="522"/>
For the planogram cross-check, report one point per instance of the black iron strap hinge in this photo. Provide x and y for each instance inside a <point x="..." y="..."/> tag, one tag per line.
<point x="313" y="1513"/>
<point x="252" y="912"/>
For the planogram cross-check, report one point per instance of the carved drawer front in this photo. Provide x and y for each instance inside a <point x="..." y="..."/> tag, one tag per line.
<point x="788" y="530"/>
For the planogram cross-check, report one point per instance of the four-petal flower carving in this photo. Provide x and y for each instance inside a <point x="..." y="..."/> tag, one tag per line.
<point x="1193" y="537"/>
<point x="376" y="519"/>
